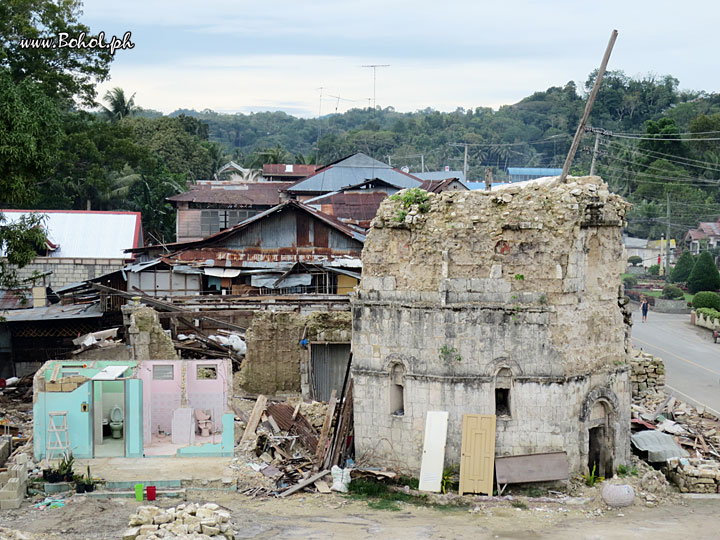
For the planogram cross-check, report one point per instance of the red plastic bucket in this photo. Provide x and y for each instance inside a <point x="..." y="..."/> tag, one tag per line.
<point x="150" y="493"/>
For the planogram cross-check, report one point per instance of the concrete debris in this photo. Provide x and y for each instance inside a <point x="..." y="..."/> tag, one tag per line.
<point x="188" y="521"/>
<point x="618" y="496"/>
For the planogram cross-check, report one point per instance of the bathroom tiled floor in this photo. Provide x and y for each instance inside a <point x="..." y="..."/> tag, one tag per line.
<point x="110" y="448"/>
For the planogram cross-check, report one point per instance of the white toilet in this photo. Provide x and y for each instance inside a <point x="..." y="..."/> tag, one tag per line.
<point x="116" y="422"/>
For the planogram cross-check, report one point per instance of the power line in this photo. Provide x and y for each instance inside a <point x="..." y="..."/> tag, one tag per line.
<point x="653" y="154"/>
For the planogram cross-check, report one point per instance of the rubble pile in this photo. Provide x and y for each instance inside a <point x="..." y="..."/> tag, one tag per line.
<point x="648" y="374"/>
<point x="14" y="534"/>
<point x="187" y="521"/>
<point x="694" y="475"/>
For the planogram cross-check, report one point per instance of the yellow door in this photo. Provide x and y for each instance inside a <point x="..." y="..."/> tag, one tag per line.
<point x="477" y="457"/>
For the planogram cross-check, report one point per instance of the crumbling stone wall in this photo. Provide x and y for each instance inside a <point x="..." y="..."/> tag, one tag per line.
<point x="515" y="288"/>
<point x="145" y="334"/>
<point x="694" y="475"/>
<point x="275" y="360"/>
<point x="648" y="374"/>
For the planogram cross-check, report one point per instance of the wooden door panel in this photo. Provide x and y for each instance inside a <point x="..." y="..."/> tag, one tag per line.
<point x="477" y="457"/>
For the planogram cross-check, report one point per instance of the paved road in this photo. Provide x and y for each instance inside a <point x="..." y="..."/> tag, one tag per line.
<point x="692" y="359"/>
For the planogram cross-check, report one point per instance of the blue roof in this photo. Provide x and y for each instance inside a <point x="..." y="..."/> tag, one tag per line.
<point x="352" y="171"/>
<point x="539" y="171"/>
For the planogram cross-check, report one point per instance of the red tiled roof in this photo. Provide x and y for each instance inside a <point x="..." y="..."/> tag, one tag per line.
<point x="248" y="194"/>
<point x="281" y="169"/>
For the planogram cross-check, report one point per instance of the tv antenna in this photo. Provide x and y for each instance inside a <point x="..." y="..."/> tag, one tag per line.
<point x="374" y="68"/>
<point x="337" y="104"/>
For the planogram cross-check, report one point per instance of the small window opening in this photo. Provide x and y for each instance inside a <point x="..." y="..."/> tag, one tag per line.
<point x="502" y="401"/>
<point x="397" y="391"/>
<point x="163" y="372"/>
<point x="206" y="372"/>
<point x="503" y="382"/>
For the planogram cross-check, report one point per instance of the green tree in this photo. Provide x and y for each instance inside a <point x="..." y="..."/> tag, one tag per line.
<point x="148" y="196"/>
<point x="118" y="106"/>
<point x="20" y="241"/>
<point x="683" y="267"/>
<point x="704" y="275"/>
<point x="62" y="73"/>
<point x="29" y="137"/>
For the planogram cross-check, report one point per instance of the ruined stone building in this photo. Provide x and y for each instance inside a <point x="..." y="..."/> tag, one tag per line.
<point x="503" y="302"/>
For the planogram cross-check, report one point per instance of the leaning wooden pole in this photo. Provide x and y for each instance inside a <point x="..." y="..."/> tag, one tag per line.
<point x="588" y="108"/>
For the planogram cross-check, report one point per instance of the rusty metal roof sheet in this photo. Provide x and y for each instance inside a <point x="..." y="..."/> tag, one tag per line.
<point x="294" y="170"/>
<point x="54" y="312"/>
<point x="355" y="205"/>
<point x="238" y="194"/>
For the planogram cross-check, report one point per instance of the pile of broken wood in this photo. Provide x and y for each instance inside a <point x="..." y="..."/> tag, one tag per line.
<point x="296" y="457"/>
<point x="698" y="431"/>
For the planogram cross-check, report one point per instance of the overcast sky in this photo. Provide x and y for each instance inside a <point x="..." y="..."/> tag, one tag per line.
<point x="242" y="56"/>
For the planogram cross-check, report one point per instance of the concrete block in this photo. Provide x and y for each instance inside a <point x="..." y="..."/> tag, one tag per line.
<point x="10" y="504"/>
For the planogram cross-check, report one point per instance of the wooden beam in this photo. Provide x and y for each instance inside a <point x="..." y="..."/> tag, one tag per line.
<point x="322" y="442"/>
<point x="588" y="108"/>
<point x="311" y="480"/>
<point x="254" y="420"/>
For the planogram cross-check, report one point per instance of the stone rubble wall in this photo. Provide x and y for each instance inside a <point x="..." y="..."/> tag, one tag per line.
<point x="275" y="361"/>
<point x="694" y="475"/>
<point x="648" y="374"/>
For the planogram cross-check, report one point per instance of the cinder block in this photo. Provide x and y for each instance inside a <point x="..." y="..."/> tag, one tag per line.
<point x="10" y="504"/>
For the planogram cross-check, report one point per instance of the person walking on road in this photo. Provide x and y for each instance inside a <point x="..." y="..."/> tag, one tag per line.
<point x="644" y="305"/>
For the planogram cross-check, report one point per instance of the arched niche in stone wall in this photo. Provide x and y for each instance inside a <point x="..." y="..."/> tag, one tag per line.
<point x="492" y="368"/>
<point x="408" y="362"/>
<point x="598" y="415"/>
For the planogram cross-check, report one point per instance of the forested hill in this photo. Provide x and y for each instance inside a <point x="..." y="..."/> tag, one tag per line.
<point x="535" y="132"/>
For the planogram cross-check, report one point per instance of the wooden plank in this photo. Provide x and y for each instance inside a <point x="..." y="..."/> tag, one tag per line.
<point x="55" y="372"/>
<point x="477" y="454"/>
<point x="532" y="468"/>
<point x="322" y="486"/>
<point x="322" y="442"/>
<point x="254" y="420"/>
<point x="343" y="428"/>
<point x="273" y="423"/>
<point x="296" y="411"/>
<point x="297" y="487"/>
<point x="433" y="457"/>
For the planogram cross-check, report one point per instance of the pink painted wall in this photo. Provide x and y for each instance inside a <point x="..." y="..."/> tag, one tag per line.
<point x="209" y="393"/>
<point x="160" y="397"/>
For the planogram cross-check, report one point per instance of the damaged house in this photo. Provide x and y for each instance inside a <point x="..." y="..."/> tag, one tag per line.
<point x="502" y="303"/>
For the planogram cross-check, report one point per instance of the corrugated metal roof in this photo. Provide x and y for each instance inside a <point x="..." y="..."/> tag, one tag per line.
<point x="89" y="234"/>
<point x="353" y="171"/>
<point x="54" y="312"/>
<point x="356" y="205"/>
<point x="242" y="194"/>
<point x="438" y="186"/>
<point x="440" y="175"/>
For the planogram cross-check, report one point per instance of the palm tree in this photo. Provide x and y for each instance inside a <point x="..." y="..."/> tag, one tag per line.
<point x="118" y="106"/>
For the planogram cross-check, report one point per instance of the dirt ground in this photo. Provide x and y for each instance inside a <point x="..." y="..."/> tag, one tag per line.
<point x="338" y="517"/>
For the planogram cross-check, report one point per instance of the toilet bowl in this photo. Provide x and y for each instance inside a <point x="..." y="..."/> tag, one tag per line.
<point x="116" y="422"/>
<point x="203" y="417"/>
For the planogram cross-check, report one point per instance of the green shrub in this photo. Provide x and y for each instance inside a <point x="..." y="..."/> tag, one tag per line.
<point x="671" y="292"/>
<point x="654" y="270"/>
<point x="704" y="275"/>
<point x="683" y="267"/>
<point x="706" y="300"/>
<point x="635" y="260"/>
<point x="709" y="313"/>
<point x="629" y="282"/>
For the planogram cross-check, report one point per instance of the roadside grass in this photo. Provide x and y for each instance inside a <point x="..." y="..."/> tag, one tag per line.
<point x="657" y="294"/>
<point x="381" y="497"/>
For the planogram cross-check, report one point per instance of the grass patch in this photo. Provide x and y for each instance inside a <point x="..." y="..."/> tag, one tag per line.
<point x="380" y="497"/>
<point x="657" y="294"/>
<point x="383" y="504"/>
<point x="518" y="504"/>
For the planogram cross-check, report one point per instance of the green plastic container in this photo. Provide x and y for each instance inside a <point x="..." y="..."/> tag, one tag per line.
<point x="138" y="492"/>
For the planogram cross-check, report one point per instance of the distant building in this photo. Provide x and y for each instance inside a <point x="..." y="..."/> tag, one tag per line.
<point x="520" y="174"/>
<point x="81" y="244"/>
<point x="280" y="172"/>
<point x="706" y="236"/>
<point x="648" y="250"/>
<point x="441" y="175"/>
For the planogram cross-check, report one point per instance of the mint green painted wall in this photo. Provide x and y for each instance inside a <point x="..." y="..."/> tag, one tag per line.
<point x="78" y="421"/>
<point x="133" y="418"/>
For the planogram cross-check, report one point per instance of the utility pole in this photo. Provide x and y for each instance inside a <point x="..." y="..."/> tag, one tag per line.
<point x="595" y="153"/>
<point x="588" y="107"/>
<point x="667" y="236"/>
<point x="422" y="162"/>
<point x="374" y="68"/>
<point x="465" y="166"/>
<point x="317" y="144"/>
<point x="389" y="160"/>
